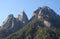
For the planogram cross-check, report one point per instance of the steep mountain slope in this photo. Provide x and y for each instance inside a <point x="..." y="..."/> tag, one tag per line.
<point x="47" y="15"/>
<point x="35" y="30"/>
<point x="44" y="24"/>
<point x="12" y="24"/>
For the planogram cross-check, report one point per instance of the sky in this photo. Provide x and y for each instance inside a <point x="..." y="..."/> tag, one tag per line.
<point x="16" y="6"/>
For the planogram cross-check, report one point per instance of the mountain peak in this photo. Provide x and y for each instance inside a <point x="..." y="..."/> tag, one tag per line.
<point x="45" y="14"/>
<point x="45" y="11"/>
<point x="22" y="13"/>
<point x="46" y="7"/>
<point x="45" y="24"/>
<point x="42" y="8"/>
<point x="10" y="16"/>
<point x="22" y="17"/>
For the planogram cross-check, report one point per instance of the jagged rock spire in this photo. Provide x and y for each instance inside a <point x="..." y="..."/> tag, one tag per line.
<point x="10" y="17"/>
<point x="22" y="17"/>
<point x="8" y="22"/>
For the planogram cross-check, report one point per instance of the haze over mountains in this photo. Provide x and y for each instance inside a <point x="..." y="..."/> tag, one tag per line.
<point x="44" y="24"/>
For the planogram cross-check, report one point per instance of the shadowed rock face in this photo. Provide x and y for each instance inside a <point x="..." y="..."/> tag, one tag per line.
<point x="12" y="24"/>
<point x="0" y="27"/>
<point x="23" y="17"/>
<point x="8" y="22"/>
<point x="46" y="14"/>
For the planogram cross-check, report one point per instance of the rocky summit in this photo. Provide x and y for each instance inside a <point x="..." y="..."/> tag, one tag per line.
<point x="44" y="24"/>
<point x="47" y="15"/>
<point x="22" y="17"/>
<point x="12" y="24"/>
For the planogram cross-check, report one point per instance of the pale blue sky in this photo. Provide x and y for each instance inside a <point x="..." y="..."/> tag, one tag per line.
<point x="16" y="6"/>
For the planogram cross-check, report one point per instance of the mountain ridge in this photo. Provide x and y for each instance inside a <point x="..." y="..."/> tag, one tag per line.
<point x="44" y="24"/>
